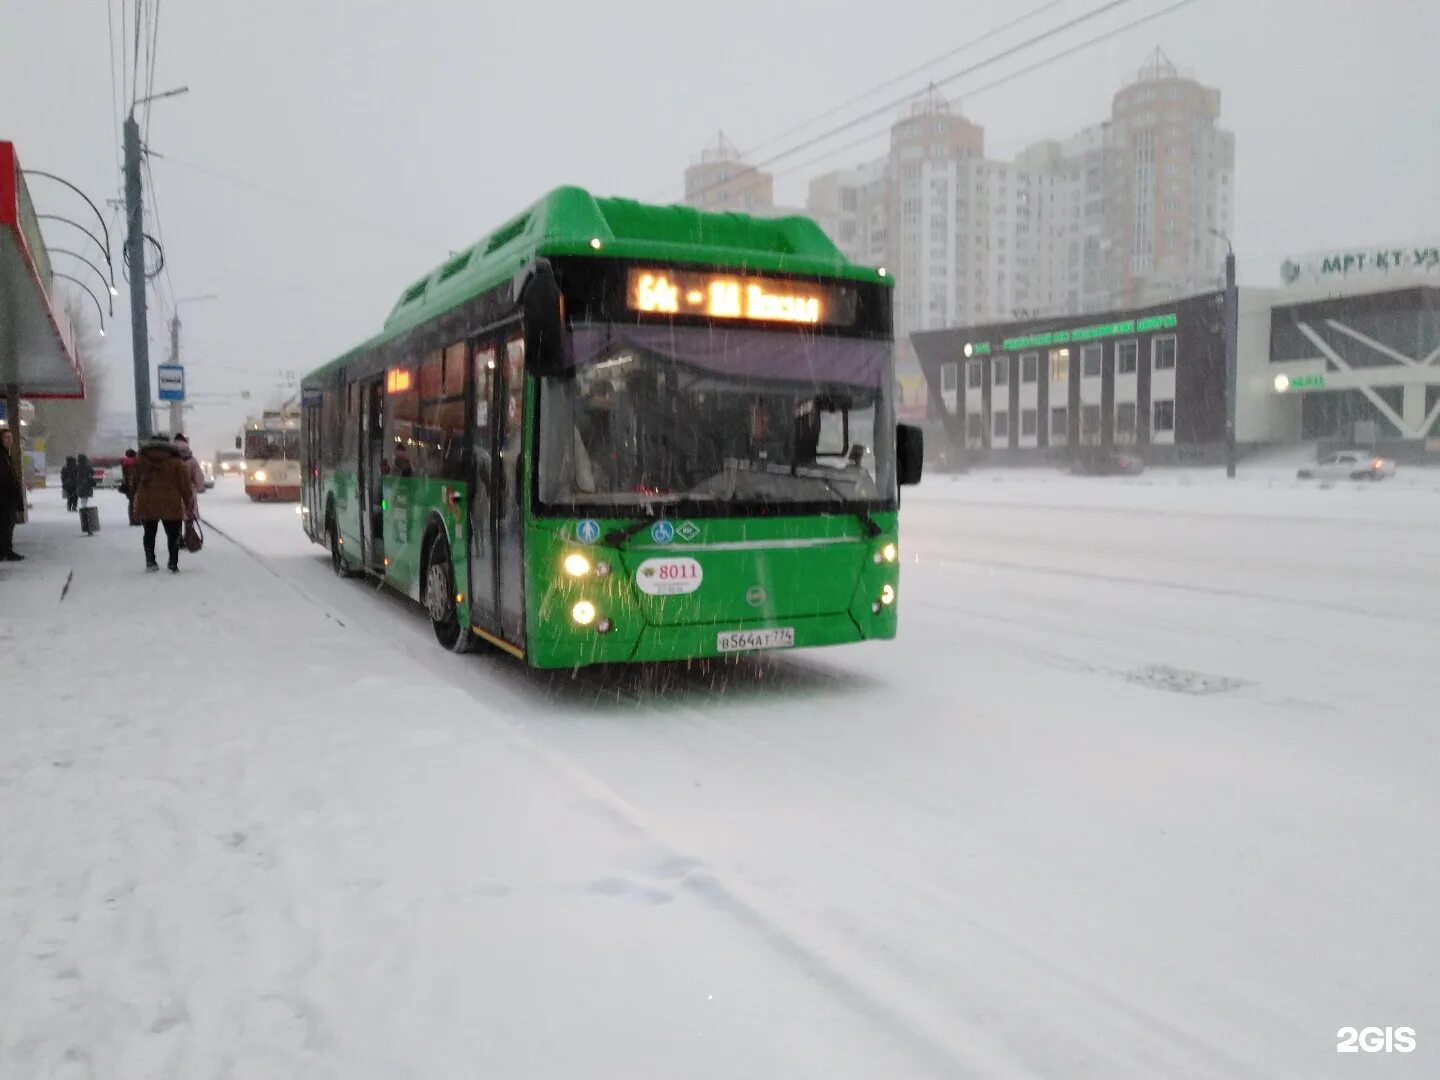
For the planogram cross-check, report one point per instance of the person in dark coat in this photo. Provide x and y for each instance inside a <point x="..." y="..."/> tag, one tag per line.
<point x="162" y="497"/>
<point x="84" y="483"/>
<point x="128" y="464"/>
<point x="67" y="482"/>
<point x="12" y="500"/>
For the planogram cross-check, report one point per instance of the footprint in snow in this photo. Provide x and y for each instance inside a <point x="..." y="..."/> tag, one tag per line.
<point x="622" y="889"/>
<point x="671" y="867"/>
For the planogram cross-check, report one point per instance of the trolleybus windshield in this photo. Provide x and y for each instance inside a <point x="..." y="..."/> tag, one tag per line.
<point x="266" y="445"/>
<point x="725" y="418"/>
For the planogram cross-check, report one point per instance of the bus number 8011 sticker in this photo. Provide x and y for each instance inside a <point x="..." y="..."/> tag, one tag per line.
<point x="668" y="577"/>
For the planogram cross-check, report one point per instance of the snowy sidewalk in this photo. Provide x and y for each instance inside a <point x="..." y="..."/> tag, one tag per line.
<point x="242" y="839"/>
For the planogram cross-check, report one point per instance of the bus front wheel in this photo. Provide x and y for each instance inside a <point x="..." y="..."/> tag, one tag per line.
<point x="337" y="559"/>
<point x="440" y="600"/>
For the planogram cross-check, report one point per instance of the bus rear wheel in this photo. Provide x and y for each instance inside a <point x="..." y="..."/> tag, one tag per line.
<point x="440" y="600"/>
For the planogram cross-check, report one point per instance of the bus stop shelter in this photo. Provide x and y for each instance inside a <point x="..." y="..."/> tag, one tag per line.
<point x="37" y="344"/>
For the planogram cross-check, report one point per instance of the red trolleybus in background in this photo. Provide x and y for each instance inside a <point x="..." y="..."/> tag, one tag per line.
<point x="272" y="456"/>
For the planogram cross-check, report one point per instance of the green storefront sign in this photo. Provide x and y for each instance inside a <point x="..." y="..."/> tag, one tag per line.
<point x="1082" y="334"/>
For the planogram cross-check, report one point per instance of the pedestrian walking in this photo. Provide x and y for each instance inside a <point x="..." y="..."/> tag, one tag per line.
<point x="12" y="500"/>
<point x="197" y="477"/>
<point x="67" y="482"/>
<point x="162" y="497"/>
<point x="84" y="488"/>
<point x="128" y="481"/>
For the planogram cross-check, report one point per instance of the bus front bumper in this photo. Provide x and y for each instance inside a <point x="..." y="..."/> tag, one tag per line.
<point x="278" y="492"/>
<point x="654" y="644"/>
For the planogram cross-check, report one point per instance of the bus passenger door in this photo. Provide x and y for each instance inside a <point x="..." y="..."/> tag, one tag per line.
<point x="312" y="459"/>
<point x="484" y="613"/>
<point x="510" y="488"/>
<point x="372" y="457"/>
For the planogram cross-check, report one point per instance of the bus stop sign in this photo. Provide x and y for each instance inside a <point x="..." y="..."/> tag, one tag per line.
<point x="171" y="382"/>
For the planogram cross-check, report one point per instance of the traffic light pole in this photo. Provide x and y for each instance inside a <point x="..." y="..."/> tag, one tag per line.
<point x="135" y="257"/>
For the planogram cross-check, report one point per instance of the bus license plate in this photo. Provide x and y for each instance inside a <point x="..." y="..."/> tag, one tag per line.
<point x="777" y="637"/>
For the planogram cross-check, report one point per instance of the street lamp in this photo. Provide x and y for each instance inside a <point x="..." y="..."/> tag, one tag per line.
<point x="1232" y="344"/>
<point x="98" y="309"/>
<point x="94" y="239"/>
<point x="87" y="262"/>
<point x="98" y="216"/>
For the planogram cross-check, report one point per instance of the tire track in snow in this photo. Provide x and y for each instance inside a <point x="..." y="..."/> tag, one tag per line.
<point x="1206" y="590"/>
<point x="867" y="975"/>
<point x="938" y="1040"/>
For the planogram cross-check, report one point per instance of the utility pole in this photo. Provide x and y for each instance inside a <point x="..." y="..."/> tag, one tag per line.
<point x="177" y="408"/>
<point x="1232" y="346"/>
<point x="135" y="256"/>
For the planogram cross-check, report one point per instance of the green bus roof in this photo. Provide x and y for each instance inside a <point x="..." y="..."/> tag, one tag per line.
<point x="569" y="221"/>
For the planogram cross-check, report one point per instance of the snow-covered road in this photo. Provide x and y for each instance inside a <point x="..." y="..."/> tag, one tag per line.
<point x="1147" y="786"/>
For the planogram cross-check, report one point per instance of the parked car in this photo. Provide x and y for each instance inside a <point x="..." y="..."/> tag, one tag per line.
<point x="1102" y="461"/>
<point x="1350" y="465"/>
<point x="108" y="473"/>
<point x="209" y="471"/>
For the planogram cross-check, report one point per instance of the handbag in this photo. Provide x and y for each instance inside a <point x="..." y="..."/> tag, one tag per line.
<point x="194" y="537"/>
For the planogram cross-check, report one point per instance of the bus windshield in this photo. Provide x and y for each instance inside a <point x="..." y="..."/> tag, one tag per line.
<point x="272" y="445"/>
<point x="717" y="416"/>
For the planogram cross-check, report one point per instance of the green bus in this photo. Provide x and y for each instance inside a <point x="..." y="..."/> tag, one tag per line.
<point x="612" y="432"/>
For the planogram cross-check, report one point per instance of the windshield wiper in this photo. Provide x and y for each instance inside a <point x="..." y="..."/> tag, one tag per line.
<point x="616" y="537"/>
<point x="868" y="524"/>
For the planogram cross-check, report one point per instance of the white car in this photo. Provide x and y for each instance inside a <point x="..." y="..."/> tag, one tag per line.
<point x="1350" y="465"/>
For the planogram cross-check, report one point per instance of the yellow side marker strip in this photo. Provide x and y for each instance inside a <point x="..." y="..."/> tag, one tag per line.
<point x="499" y="643"/>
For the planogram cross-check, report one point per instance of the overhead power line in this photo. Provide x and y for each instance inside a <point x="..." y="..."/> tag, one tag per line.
<point x="887" y="109"/>
<point x="916" y="70"/>
<point x="994" y="83"/>
<point x="886" y="85"/>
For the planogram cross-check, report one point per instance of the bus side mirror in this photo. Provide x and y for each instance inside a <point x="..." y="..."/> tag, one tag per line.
<point x="909" y="453"/>
<point x="543" y="306"/>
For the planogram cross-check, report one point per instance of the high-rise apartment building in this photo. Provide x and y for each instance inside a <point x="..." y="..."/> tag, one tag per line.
<point x="852" y="206"/>
<point x="1170" y="182"/>
<point x="1118" y="213"/>
<point x="721" y="180"/>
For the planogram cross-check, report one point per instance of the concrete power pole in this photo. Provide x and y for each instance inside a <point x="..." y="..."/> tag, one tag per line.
<point x="135" y="256"/>
<point x="177" y="408"/>
<point x="1232" y="348"/>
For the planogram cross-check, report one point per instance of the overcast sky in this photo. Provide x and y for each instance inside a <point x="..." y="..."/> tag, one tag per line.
<point x="330" y="152"/>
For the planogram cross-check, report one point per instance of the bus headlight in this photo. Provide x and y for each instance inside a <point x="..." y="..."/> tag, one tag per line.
<point x="583" y="613"/>
<point x="887" y="595"/>
<point x="576" y="565"/>
<point x="888" y="553"/>
<point x="260" y="476"/>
